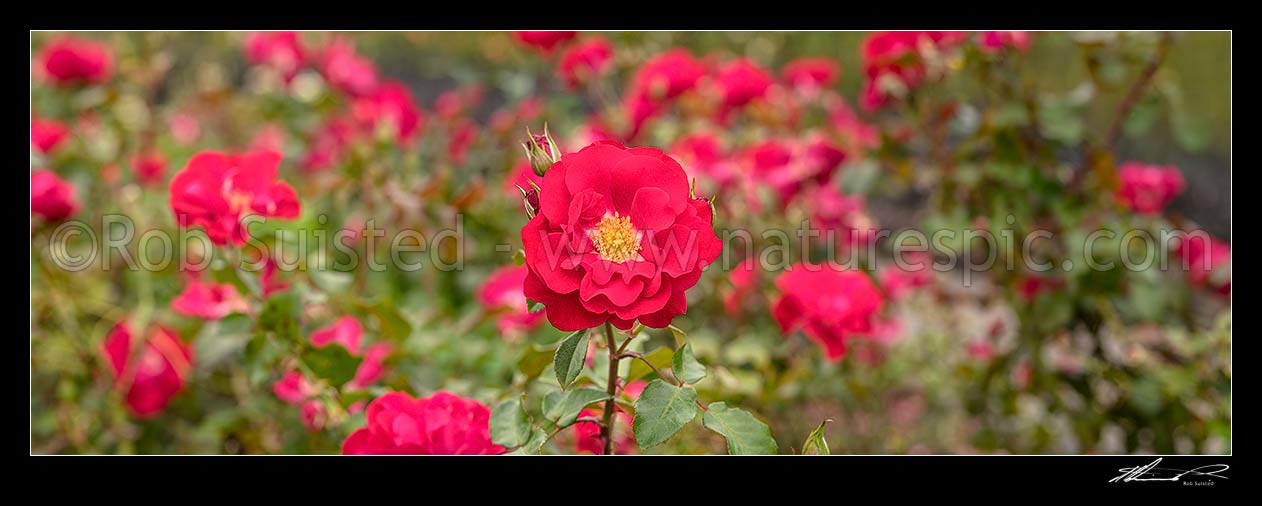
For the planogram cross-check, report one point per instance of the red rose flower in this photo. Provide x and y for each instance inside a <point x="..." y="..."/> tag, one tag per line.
<point x="346" y="331"/>
<point x="184" y="128"/>
<point x="46" y="135"/>
<point x="52" y="197"/>
<point x="1147" y="189"/>
<point x="587" y="434"/>
<point x="810" y="75"/>
<point x="702" y="156"/>
<point x="314" y="415"/>
<point x="668" y="75"/>
<point x="993" y="42"/>
<point x="828" y="305"/>
<point x="71" y="60"/>
<point x="269" y="280"/>
<point x="846" y="217"/>
<point x="459" y="139"/>
<point x="441" y="424"/>
<point x="617" y="239"/>
<point x="294" y="388"/>
<point x="1031" y="285"/>
<point x="215" y="190"/>
<point x="346" y="70"/>
<point x="210" y="301"/>
<point x="1208" y="262"/>
<point x="327" y="144"/>
<point x="744" y="280"/>
<point x="857" y="136"/>
<point x="585" y="61"/>
<point x="151" y="376"/>
<point x="896" y="57"/>
<point x="898" y="282"/>
<point x="280" y="51"/>
<point x="149" y="166"/>
<point x="741" y="81"/>
<point x="392" y="104"/>
<point x="543" y="41"/>
<point x="502" y="291"/>
<point x="372" y="367"/>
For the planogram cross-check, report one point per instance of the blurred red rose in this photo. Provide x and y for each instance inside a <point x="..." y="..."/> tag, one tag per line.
<point x="702" y="156"/>
<point x="152" y="375"/>
<point x="810" y="75"/>
<point x="828" y="305"/>
<point x="149" y="166"/>
<point x="47" y="134"/>
<point x="668" y="75"/>
<point x="895" y="58"/>
<point x="373" y="365"/>
<point x="460" y="138"/>
<point x="216" y="190"/>
<point x="52" y="197"/>
<point x="346" y="331"/>
<point x="441" y="424"/>
<point x="845" y="217"/>
<point x="1031" y="285"/>
<point x="617" y="239"/>
<point x="1207" y="260"/>
<point x="899" y="282"/>
<point x="587" y="434"/>
<point x="741" y="81"/>
<point x="294" y="388"/>
<point x="585" y="61"/>
<point x="993" y="42"/>
<point x="1147" y="189"/>
<point x="391" y="105"/>
<point x="280" y="51"/>
<point x="542" y="40"/>
<point x="502" y="292"/>
<point x="269" y="137"/>
<point x="184" y="128"/>
<point x="314" y="415"/>
<point x="346" y="70"/>
<point x="210" y="301"/>
<point x="327" y="144"/>
<point x="744" y="280"/>
<point x="71" y="60"/>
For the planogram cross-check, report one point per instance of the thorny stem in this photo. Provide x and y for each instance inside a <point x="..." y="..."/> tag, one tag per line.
<point x="606" y="429"/>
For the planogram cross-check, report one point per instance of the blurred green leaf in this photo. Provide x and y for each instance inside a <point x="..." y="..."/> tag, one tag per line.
<point x="331" y="362"/>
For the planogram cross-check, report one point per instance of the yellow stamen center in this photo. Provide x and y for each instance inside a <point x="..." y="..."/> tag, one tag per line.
<point x="238" y="201"/>
<point x="616" y="239"/>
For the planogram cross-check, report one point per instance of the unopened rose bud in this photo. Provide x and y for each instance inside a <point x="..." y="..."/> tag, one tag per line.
<point x="541" y="150"/>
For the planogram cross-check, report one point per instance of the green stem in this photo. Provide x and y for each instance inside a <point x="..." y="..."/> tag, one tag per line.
<point x="607" y="417"/>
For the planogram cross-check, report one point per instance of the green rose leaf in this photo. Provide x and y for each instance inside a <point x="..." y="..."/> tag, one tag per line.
<point x="564" y="410"/>
<point x="661" y="411"/>
<point x="570" y="357"/>
<point x="280" y="316"/>
<point x="533" y="444"/>
<point x="745" y="434"/>
<point x="534" y="360"/>
<point x="686" y="367"/>
<point x="331" y="362"/>
<point x="510" y="426"/>
<point x="660" y="358"/>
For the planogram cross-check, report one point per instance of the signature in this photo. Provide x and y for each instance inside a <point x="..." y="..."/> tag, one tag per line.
<point x="1151" y="472"/>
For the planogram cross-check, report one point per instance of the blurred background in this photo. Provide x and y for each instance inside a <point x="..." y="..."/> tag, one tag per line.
<point x="935" y="130"/>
